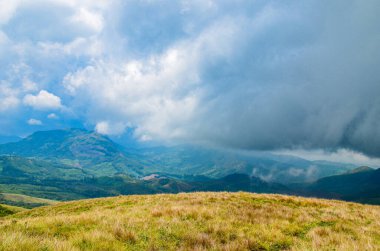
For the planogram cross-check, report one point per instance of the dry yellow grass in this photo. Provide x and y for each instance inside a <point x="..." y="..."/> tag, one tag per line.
<point x="195" y="221"/>
<point x="8" y="210"/>
<point x="20" y="198"/>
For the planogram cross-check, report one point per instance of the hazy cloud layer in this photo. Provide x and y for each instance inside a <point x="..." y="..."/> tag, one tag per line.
<point x="262" y="75"/>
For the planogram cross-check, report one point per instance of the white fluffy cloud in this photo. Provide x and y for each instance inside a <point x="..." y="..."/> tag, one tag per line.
<point x="34" y="122"/>
<point x="43" y="101"/>
<point x="148" y="95"/>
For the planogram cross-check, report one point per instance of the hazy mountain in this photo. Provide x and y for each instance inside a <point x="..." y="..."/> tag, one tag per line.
<point x="362" y="185"/>
<point x="100" y="156"/>
<point x="217" y="163"/>
<point x="7" y="139"/>
<point x="241" y="182"/>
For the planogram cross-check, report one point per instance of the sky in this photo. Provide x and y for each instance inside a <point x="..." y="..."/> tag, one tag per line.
<point x="289" y="76"/>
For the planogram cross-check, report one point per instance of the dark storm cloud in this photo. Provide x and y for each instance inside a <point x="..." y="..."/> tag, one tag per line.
<point x="307" y="80"/>
<point x="264" y="76"/>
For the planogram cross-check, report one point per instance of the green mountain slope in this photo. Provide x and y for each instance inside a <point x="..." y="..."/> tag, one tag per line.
<point x="70" y="143"/>
<point x="46" y="179"/>
<point x="20" y="167"/>
<point x="195" y="221"/>
<point x="94" y="153"/>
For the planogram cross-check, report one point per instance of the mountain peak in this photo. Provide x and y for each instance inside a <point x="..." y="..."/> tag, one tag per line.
<point x="64" y="143"/>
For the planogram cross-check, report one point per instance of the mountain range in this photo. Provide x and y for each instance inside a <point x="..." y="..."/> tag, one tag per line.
<point x="361" y="184"/>
<point x="75" y="163"/>
<point x="100" y="156"/>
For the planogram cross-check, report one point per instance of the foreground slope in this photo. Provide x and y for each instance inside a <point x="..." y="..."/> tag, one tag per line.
<point x="195" y="221"/>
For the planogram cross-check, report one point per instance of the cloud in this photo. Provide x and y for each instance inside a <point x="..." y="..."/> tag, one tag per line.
<point x="107" y="128"/>
<point x="93" y="20"/>
<point x="7" y="9"/>
<point x="43" y="101"/>
<point x="9" y="102"/>
<point x="262" y="75"/>
<point x="341" y="155"/>
<point x="270" y="76"/>
<point x="34" y="122"/>
<point x="52" y="116"/>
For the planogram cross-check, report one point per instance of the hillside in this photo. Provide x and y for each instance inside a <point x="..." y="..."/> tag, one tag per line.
<point x="55" y="181"/>
<point x="24" y="201"/>
<point x="95" y="153"/>
<point x="361" y="184"/>
<point x="195" y="221"/>
<point x="69" y="143"/>
<point x="6" y="210"/>
<point x="20" y="167"/>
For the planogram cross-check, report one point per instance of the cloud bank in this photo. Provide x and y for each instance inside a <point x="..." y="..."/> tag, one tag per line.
<point x="262" y="75"/>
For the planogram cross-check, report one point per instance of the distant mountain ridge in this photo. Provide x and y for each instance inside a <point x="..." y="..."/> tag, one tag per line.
<point x="362" y="185"/>
<point x="7" y="139"/>
<point x="50" y="180"/>
<point x="100" y="156"/>
<point x="217" y="163"/>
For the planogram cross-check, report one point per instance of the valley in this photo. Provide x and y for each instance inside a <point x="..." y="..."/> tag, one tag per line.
<point x="74" y="164"/>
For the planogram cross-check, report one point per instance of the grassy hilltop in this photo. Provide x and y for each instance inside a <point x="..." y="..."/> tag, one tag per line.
<point x="194" y="221"/>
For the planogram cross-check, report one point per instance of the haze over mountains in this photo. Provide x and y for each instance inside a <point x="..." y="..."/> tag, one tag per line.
<point x="100" y="156"/>
<point x="75" y="163"/>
